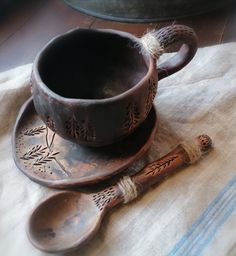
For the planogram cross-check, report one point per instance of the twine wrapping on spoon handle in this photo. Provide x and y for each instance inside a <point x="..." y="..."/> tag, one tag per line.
<point x="187" y="152"/>
<point x="128" y="189"/>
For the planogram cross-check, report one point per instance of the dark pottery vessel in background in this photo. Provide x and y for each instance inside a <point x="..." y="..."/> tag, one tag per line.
<point x="145" y="10"/>
<point x="95" y="87"/>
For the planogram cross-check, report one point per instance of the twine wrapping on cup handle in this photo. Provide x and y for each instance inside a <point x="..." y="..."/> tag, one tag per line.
<point x="150" y="44"/>
<point x="155" y="42"/>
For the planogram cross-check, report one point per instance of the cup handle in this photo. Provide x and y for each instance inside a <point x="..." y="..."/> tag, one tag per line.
<point x="172" y="35"/>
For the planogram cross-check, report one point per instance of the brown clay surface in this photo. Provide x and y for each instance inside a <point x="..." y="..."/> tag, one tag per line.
<point x="52" y="161"/>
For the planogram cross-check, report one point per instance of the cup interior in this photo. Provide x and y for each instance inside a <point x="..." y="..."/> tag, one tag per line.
<point x="91" y="64"/>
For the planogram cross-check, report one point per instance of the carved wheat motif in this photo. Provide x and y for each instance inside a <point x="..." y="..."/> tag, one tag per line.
<point x="72" y="127"/>
<point x="40" y="154"/>
<point x="154" y="168"/>
<point x="45" y="159"/>
<point x="152" y="89"/>
<point x="132" y="117"/>
<point x="34" y="152"/>
<point x="86" y="131"/>
<point x="35" y="131"/>
<point x="103" y="198"/>
<point x="83" y="130"/>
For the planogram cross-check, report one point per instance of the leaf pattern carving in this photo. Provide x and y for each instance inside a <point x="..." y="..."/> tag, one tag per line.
<point x="34" y="152"/>
<point x="152" y="89"/>
<point x="132" y="117"/>
<point x="87" y="133"/>
<point x="41" y="155"/>
<point x="50" y="123"/>
<point x="103" y="198"/>
<point x="72" y="127"/>
<point x="83" y="130"/>
<point x="155" y="168"/>
<point x="44" y="159"/>
<point x="35" y="131"/>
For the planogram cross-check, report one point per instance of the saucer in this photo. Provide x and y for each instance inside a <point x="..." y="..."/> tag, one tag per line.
<point x="52" y="161"/>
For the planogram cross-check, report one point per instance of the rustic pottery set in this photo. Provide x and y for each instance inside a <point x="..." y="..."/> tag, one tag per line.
<point x="91" y="115"/>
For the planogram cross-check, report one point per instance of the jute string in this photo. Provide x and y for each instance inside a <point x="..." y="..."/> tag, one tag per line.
<point x="128" y="189"/>
<point x="193" y="150"/>
<point x="150" y="44"/>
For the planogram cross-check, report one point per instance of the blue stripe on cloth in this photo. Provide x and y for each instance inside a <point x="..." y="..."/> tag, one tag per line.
<point x="206" y="226"/>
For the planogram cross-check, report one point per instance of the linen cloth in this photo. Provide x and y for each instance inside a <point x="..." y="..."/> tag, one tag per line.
<point x="191" y="213"/>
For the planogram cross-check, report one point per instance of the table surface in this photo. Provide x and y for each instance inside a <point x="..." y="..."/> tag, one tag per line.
<point x="26" y="28"/>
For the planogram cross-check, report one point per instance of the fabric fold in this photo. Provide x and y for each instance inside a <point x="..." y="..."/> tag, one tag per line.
<point x="191" y="213"/>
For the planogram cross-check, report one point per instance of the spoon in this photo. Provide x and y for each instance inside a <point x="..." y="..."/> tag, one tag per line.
<point x="68" y="219"/>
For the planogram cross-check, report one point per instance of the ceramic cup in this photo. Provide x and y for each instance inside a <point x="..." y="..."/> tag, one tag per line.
<point x="95" y="87"/>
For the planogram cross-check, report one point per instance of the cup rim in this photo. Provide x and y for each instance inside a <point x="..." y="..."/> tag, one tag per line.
<point x="37" y="77"/>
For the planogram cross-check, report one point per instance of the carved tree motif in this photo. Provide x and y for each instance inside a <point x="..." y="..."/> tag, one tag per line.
<point x="154" y="168"/>
<point x="50" y="123"/>
<point x="86" y="131"/>
<point x="103" y="198"/>
<point x="83" y="130"/>
<point x="72" y="127"/>
<point x="132" y="117"/>
<point x="152" y="89"/>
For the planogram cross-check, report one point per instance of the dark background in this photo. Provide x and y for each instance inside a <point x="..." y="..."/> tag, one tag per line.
<point x="25" y="26"/>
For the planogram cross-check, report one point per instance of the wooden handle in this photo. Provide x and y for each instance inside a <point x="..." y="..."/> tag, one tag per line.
<point x="171" y="35"/>
<point x="181" y="156"/>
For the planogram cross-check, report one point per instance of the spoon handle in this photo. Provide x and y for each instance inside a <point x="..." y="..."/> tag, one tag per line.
<point x="184" y="154"/>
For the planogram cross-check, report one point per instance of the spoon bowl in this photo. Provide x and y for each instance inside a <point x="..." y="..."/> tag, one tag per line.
<point x="63" y="221"/>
